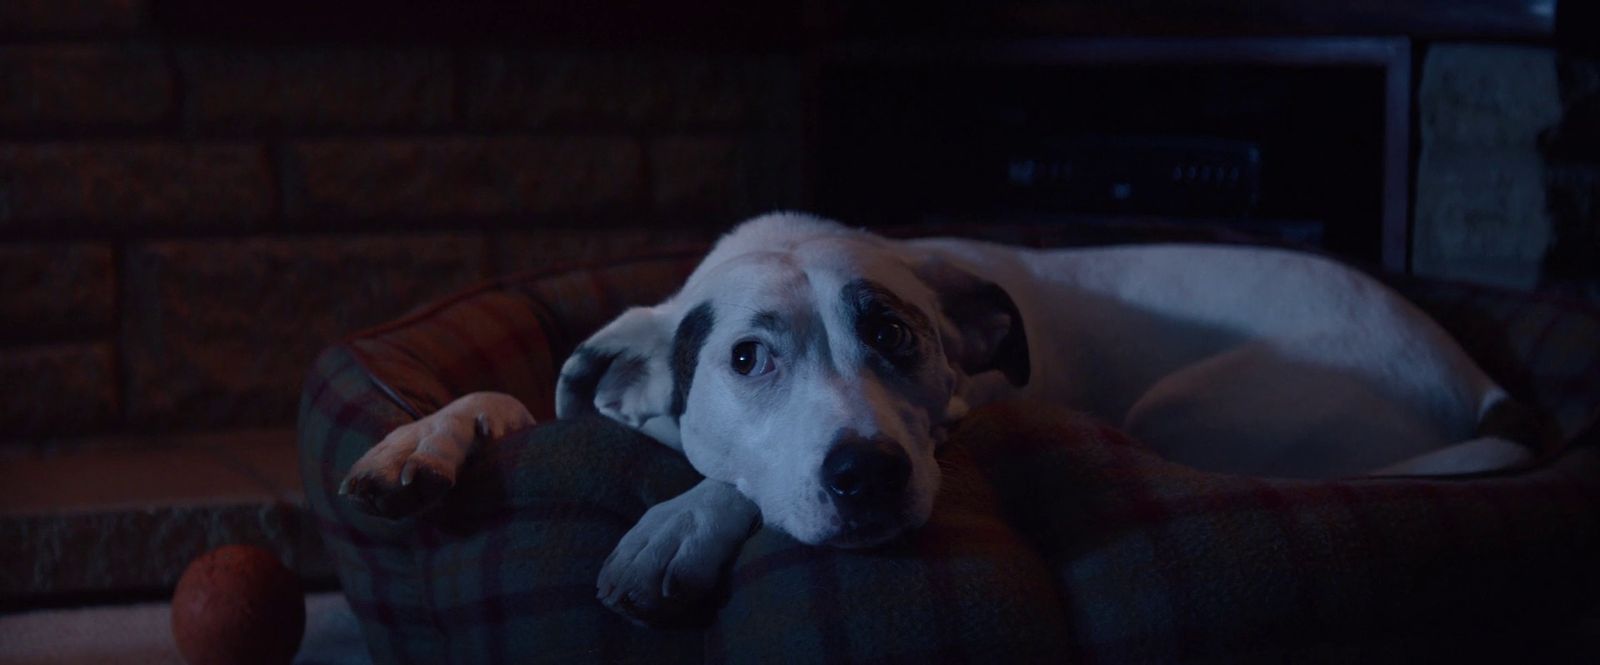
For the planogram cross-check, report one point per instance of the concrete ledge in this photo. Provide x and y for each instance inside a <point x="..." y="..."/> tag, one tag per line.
<point x="126" y="519"/>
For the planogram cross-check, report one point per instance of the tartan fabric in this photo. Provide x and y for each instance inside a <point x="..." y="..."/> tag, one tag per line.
<point x="1055" y="538"/>
<point x="410" y="583"/>
<point x="1156" y="562"/>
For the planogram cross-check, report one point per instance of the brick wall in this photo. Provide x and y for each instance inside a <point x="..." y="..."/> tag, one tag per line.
<point x="184" y="224"/>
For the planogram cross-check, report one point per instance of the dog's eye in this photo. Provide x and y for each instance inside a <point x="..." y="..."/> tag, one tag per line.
<point x="888" y="336"/>
<point x="751" y="358"/>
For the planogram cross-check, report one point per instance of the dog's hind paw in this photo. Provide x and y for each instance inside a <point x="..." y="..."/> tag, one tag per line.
<point x="674" y="557"/>
<point x="415" y="465"/>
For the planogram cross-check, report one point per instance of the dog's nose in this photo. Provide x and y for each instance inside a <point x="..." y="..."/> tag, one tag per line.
<point x="864" y="471"/>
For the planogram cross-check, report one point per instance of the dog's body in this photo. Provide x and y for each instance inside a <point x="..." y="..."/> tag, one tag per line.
<point x="809" y="370"/>
<point x="1236" y="359"/>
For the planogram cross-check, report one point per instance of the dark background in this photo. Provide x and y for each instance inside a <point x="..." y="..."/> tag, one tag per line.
<point x="197" y="196"/>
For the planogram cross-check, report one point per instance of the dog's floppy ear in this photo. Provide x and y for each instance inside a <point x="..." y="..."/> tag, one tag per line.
<point x="637" y="369"/>
<point x="984" y="328"/>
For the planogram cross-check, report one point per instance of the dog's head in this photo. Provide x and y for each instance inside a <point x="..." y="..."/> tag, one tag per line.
<point x="811" y="366"/>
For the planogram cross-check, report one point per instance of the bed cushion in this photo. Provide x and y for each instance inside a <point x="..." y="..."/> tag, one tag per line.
<point x="1055" y="537"/>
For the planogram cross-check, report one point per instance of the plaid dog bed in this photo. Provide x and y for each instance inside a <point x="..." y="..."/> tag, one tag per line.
<point x="1055" y="538"/>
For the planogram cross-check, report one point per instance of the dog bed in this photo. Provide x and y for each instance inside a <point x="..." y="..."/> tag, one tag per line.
<point x="1055" y="538"/>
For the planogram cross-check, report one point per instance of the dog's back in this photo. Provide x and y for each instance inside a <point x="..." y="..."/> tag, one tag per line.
<point x="1239" y="358"/>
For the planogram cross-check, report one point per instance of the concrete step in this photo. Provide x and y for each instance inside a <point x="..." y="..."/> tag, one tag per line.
<point x="141" y="634"/>
<point x="124" y="517"/>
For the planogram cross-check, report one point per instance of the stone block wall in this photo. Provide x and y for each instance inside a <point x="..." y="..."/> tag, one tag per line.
<point x="1480" y="211"/>
<point x="184" y="224"/>
<point x="1572" y="152"/>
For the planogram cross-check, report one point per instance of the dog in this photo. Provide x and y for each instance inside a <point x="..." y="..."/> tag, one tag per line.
<point x="810" y="371"/>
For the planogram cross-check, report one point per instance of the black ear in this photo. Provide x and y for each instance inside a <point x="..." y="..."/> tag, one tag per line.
<point x="986" y="326"/>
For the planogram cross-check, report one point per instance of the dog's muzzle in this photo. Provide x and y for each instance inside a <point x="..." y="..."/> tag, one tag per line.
<point x="866" y="480"/>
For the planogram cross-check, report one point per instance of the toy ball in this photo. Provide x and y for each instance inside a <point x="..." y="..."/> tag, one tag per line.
<point x="238" y="605"/>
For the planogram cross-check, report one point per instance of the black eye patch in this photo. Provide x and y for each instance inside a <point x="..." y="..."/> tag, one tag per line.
<point x="889" y="326"/>
<point x="686" y="343"/>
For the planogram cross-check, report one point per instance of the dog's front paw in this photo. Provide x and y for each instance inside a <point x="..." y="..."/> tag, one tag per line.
<point x="416" y="464"/>
<point x="398" y="477"/>
<point x="674" y="556"/>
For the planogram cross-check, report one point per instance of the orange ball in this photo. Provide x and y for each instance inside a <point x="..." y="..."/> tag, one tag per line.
<point x="238" y="605"/>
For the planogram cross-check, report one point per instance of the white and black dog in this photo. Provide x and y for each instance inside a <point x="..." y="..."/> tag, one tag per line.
<point x="809" y="372"/>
